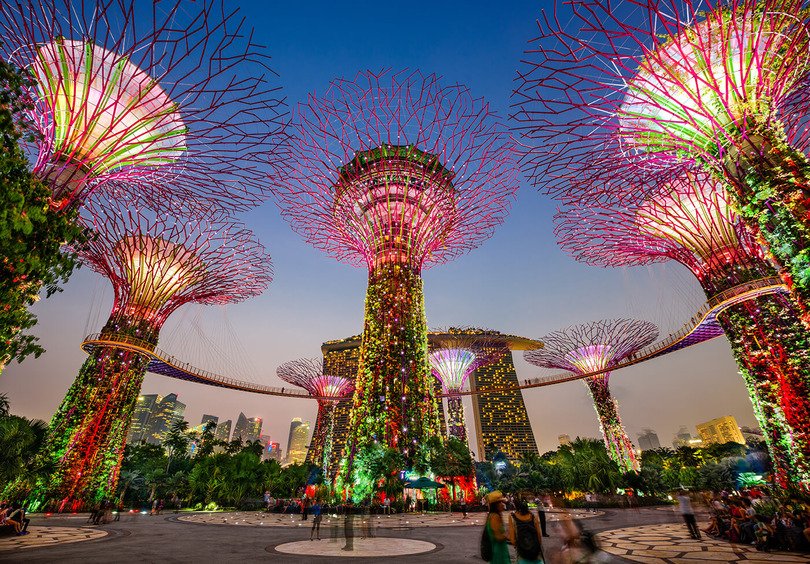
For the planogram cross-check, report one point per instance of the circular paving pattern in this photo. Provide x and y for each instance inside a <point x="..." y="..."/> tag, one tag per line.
<point x="50" y="536"/>
<point x="369" y="547"/>
<point x="670" y="543"/>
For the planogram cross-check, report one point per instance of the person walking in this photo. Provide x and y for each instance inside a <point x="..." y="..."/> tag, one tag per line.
<point x="495" y="529"/>
<point x="685" y="507"/>
<point x="463" y="504"/>
<point x="525" y="534"/>
<point x="316" y="521"/>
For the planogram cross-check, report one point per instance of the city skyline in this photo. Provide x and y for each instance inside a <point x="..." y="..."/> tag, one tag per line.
<point x="518" y="282"/>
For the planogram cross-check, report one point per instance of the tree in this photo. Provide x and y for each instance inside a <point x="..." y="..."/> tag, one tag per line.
<point x="176" y="441"/>
<point x="32" y="233"/>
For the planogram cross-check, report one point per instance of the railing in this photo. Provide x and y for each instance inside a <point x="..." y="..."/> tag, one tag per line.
<point x="704" y="320"/>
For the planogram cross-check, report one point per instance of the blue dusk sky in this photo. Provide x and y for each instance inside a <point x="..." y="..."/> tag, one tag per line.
<point x="517" y="282"/>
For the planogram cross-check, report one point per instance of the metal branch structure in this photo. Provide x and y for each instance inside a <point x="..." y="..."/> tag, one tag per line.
<point x="667" y="86"/>
<point x="599" y="345"/>
<point x="310" y="374"/>
<point x="155" y="264"/>
<point x="690" y="221"/>
<point x="395" y="172"/>
<point x="170" y="101"/>
<point x="452" y="363"/>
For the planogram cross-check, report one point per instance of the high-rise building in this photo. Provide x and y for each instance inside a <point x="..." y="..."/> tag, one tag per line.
<point x="167" y="410"/>
<point x="223" y="431"/>
<point x="206" y="418"/>
<point x="298" y="441"/>
<point x="720" y="430"/>
<point x="247" y="429"/>
<point x="153" y="417"/>
<point x="501" y="421"/>
<point x="139" y="427"/>
<point x="565" y="440"/>
<point x="682" y="437"/>
<point x="648" y="440"/>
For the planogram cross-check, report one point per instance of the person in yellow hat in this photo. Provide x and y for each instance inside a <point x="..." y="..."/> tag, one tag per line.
<point x="495" y="529"/>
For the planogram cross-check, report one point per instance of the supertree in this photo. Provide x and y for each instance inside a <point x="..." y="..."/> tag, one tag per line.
<point x="155" y="264"/>
<point x="396" y="173"/>
<point x="690" y="221"/>
<point x="663" y="85"/>
<point x="134" y="95"/>
<point x="453" y="361"/>
<point x="592" y="347"/>
<point x="310" y="374"/>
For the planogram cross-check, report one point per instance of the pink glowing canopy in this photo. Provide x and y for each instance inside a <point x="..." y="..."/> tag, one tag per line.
<point x="171" y="102"/>
<point x="308" y="373"/>
<point x="395" y="167"/>
<point x="593" y="346"/>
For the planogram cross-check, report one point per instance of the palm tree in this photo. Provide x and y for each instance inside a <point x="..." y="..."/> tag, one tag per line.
<point x="176" y="441"/>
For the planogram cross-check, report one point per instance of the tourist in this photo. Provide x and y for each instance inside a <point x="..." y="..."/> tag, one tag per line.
<point x="316" y="521"/>
<point x="495" y="529"/>
<point x="387" y="505"/>
<point x="463" y="504"/>
<point x="267" y="501"/>
<point x="688" y="514"/>
<point x="525" y="535"/>
<point x="304" y="508"/>
<point x="5" y="520"/>
<point x="541" y="514"/>
<point x="154" y="507"/>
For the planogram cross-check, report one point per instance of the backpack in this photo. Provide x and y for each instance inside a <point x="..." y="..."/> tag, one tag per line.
<point x="486" y="545"/>
<point x="526" y="541"/>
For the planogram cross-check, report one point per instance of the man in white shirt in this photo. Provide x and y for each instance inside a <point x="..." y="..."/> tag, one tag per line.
<point x="685" y="507"/>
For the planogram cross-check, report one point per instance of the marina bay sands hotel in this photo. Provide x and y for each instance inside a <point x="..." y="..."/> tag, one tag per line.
<point x="501" y="421"/>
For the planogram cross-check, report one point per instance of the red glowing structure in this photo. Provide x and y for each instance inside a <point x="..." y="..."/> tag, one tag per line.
<point x="309" y="373"/>
<point x="396" y="172"/>
<point x="155" y="264"/>
<point x="667" y="86"/>
<point x="138" y="96"/>
<point x="592" y="347"/>
<point x="452" y="362"/>
<point x="690" y="221"/>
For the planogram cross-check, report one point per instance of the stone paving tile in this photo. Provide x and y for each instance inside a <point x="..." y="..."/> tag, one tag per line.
<point x="49" y="536"/>
<point x="670" y="544"/>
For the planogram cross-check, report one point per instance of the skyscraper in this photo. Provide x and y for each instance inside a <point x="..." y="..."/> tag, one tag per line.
<point x="298" y="441"/>
<point x="139" y="428"/>
<point x="682" y="437"/>
<point x="206" y="418"/>
<point x="648" y="440"/>
<point x="247" y="429"/>
<point x="501" y="421"/>
<point x="167" y="410"/>
<point x="153" y="416"/>
<point x="720" y="430"/>
<point x="565" y="440"/>
<point x="223" y="431"/>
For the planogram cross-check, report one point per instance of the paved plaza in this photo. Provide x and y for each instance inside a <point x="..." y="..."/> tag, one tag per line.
<point x="646" y="535"/>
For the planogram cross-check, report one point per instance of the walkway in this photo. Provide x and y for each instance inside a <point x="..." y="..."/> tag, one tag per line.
<point x="39" y="537"/>
<point x="670" y="544"/>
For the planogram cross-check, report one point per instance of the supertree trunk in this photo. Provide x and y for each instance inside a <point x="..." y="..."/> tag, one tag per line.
<point x="317" y="444"/>
<point x="87" y="434"/>
<point x="617" y="443"/>
<point x="455" y="418"/>
<point x="394" y="403"/>
<point x="770" y="185"/>
<point x="770" y="345"/>
<point x="328" y="442"/>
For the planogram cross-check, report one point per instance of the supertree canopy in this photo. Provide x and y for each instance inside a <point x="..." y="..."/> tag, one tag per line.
<point x="155" y="264"/>
<point x="452" y="362"/>
<point x="672" y="85"/>
<point x="139" y="95"/>
<point x="310" y="374"/>
<point x="690" y="221"/>
<point x="593" y="347"/>
<point x="395" y="172"/>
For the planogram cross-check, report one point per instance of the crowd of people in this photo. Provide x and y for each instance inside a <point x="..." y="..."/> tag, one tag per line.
<point x="753" y="517"/>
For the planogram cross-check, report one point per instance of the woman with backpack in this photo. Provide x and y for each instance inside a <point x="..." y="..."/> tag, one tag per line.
<point x="526" y="535"/>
